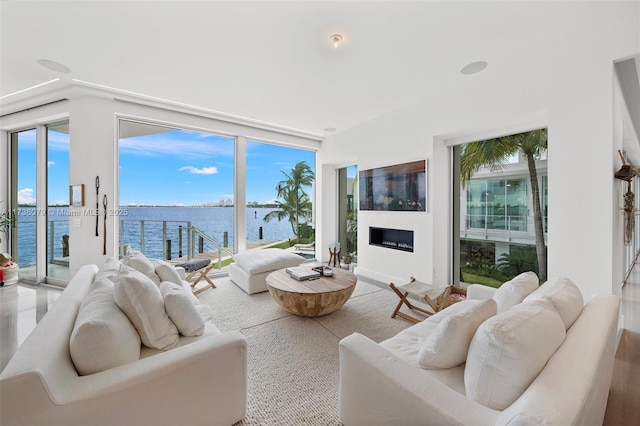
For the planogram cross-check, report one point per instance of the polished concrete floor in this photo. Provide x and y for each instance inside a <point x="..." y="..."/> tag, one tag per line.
<point x="22" y="306"/>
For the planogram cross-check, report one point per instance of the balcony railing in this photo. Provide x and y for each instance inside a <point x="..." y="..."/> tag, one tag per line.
<point x="172" y="240"/>
<point x="500" y="227"/>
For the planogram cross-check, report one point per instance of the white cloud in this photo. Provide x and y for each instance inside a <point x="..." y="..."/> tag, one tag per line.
<point x="50" y="163"/>
<point x="25" y="196"/>
<point x="200" y="171"/>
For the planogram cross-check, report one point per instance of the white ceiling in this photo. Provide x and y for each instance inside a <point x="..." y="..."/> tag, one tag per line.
<point x="274" y="62"/>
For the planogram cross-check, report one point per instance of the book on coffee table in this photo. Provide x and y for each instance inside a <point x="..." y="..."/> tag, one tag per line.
<point x="302" y="273"/>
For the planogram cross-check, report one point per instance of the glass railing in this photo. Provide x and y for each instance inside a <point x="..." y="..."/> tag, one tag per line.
<point x="499" y="225"/>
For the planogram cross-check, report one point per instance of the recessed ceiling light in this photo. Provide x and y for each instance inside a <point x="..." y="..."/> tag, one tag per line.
<point x="330" y="129"/>
<point x="54" y="66"/>
<point x="473" y="67"/>
<point x="336" y="39"/>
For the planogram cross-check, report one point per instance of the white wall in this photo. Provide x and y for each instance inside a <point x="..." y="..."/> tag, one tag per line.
<point x="573" y="98"/>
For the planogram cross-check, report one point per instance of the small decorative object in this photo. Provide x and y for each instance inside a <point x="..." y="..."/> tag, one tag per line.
<point x="334" y="253"/>
<point x="97" y="203"/>
<point x="626" y="173"/>
<point x="104" y="204"/>
<point x="76" y="195"/>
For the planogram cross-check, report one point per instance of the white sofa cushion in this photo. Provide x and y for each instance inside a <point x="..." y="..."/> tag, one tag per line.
<point x="258" y="261"/>
<point x="448" y="344"/>
<point x="565" y="297"/>
<point x="167" y="272"/>
<point x="140" y="299"/>
<point x="509" y="350"/>
<point x="407" y="343"/>
<point x="141" y="263"/>
<point x="514" y="291"/>
<point x="111" y="269"/>
<point x="181" y="309"/>
<point x="102" y="337"/>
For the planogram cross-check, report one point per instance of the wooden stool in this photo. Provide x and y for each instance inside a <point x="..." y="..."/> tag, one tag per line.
<point x="200" y="267"/>
<point x="427" y="292"/>
<point x="202" y="275"/>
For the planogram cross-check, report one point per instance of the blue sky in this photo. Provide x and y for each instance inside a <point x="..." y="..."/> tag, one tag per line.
<point x="57" y="167"/>
<point x="171" y="168"/>
<point x="190" y="168"/>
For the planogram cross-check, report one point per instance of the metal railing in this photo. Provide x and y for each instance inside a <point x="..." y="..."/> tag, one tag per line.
<point x="171" y="240"/>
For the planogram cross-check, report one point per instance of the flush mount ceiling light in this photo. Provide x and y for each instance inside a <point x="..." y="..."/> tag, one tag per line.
<point x="53" y="66"/>
<point x="336" y="39"/>
<point x="473" y="67"/>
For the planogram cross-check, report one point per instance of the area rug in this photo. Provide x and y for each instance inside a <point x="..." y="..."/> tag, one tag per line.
<point x="293" y="361"/>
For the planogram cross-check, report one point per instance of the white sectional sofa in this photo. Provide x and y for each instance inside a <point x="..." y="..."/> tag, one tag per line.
<point x="200" y="381"/>
<point x="543" y="359"/>
<point x="250" y="268"/>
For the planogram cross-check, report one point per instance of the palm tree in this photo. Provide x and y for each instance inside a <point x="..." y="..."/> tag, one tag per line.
<point x="494" y="153"/>
<point x="295" y="204"/>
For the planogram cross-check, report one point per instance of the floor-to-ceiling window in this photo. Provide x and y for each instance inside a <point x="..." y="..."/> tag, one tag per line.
<point x="501" y="208"/>
<point x="40" y="232"/>
<point x="348" y="212"/>
<point x="177" y="198"/>
<point x="176" y="192"/>
<point x="58" y="244"/>
<point x="279" y="194"/>
<point x="23" y="201"/>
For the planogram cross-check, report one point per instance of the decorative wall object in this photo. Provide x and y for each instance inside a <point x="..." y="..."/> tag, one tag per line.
<point x="626" y="173"/>
<point x="76" y="195"/>
<point x="401" y="187"/>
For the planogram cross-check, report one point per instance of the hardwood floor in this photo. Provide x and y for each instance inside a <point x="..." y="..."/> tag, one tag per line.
<point x="623" y="407"/>
<point x="21" y="306"/>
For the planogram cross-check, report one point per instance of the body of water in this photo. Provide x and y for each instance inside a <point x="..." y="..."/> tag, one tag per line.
<point x="148" y="224"/>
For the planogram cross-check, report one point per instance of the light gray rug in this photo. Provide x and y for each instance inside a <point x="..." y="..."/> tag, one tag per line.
<point x="293" y="361"/>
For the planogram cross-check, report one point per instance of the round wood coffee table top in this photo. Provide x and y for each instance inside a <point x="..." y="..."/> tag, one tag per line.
<point x="311" y="298"/>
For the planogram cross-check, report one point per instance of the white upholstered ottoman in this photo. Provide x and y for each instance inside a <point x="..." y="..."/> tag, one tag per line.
<point x="250" y="270"/>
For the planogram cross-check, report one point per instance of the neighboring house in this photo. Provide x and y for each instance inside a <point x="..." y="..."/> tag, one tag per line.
<point x="495" y="206"/>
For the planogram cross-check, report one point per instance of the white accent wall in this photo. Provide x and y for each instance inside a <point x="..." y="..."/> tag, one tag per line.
<point x="573" y="97"/>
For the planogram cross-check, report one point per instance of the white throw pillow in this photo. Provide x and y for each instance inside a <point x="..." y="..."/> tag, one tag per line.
<point x="513" y="292"/>
<point x="448" y="344"/>
<point x="167" y="272"/>
<point x="508" y="351"/>
<point x="140" y="299"/>
<point x="102" y="337"/>
<point x="263" y="260"/>
<point x="141" y="263"/>
<point x="111" y="269"/>
<point x="455" y="309"/>
<point x="181" y="309"/>
<point x="565" y="297"/>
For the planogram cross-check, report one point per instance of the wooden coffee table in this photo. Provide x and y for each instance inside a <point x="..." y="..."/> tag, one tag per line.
<point x="311" y="298"/>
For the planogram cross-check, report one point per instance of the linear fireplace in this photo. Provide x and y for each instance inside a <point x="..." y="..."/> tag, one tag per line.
<point x="397" y="239"/>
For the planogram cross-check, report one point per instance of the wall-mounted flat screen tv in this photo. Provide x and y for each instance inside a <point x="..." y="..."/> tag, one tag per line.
<point x="401" y="187"/>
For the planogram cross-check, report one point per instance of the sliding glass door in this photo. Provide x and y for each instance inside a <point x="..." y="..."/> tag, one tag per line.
<point x="40" y="203"/>
<point x="57" y="236"/>
<point x="23" y="202"/>
<point x="348" y="212"/>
